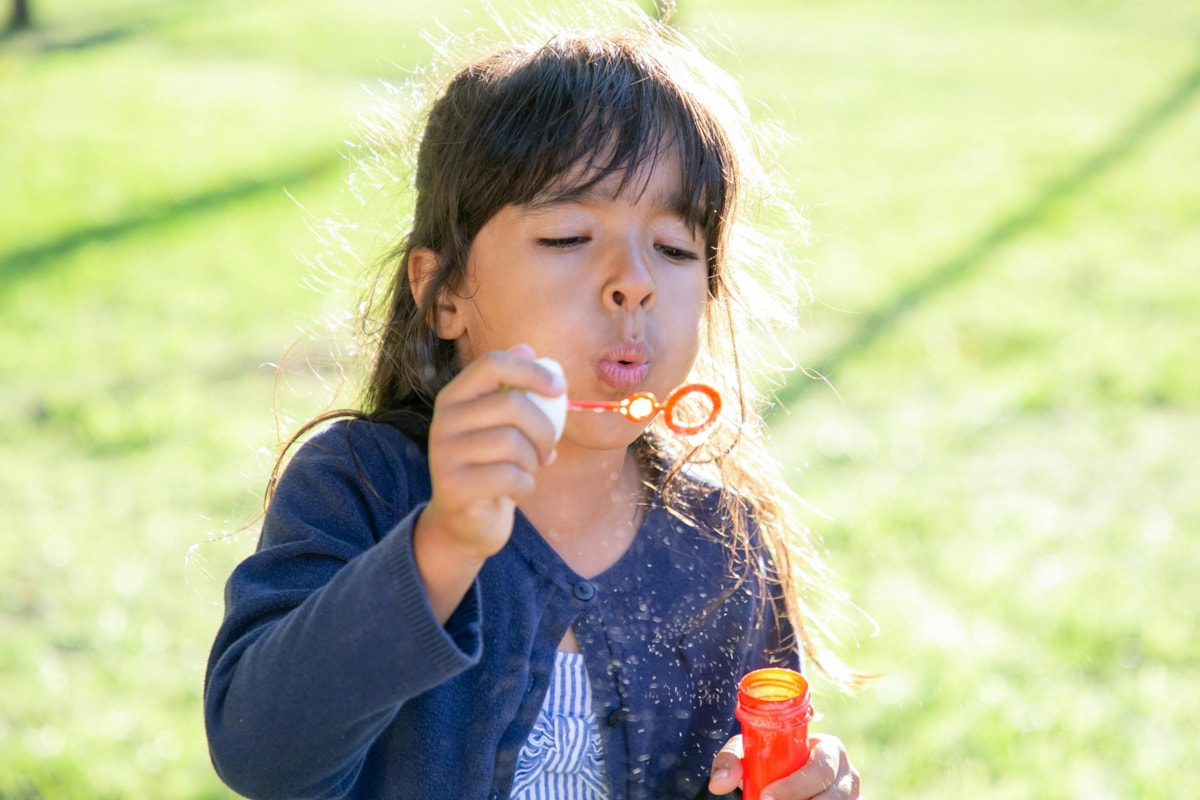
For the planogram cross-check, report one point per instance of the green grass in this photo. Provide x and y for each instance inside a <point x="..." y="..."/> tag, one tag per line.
<point x="1005" y="268"/>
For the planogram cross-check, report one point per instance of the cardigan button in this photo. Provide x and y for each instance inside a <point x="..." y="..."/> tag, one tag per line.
<point x="617" y="717"/>
<point x="584" y="590"/>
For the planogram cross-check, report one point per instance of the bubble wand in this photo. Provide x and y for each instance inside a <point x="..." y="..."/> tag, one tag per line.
<point x="642" y="406"/>
<point x="637" y="407"/>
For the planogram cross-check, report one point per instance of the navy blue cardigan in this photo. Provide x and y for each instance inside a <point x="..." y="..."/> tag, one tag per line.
<point x="330" y="677"/>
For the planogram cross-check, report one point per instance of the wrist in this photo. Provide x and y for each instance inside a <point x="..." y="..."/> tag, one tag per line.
<point x="445" y="565"/>
<point x="436" y="537"/>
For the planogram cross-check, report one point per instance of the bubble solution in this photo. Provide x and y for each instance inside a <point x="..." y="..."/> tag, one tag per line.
<point x="774" y="708"/>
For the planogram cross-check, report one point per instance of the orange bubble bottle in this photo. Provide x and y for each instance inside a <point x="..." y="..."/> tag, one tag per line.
<point x="774" y="707"/>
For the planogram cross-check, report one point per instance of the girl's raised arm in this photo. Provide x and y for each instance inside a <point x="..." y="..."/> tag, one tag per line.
<point x="486" y="444"/>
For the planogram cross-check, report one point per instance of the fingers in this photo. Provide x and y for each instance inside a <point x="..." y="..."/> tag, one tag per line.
<point x="828" y="775"/>
<point x="487" y="441"/>
<point x="481" y="398"/>
<point x="512" y="369"/>
<point x="727" y="768"/>
<point x="846" y="782"/>
<point x="499" y="427"/>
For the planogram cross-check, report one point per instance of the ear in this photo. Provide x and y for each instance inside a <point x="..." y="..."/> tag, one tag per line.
<point x="422" y="266"/>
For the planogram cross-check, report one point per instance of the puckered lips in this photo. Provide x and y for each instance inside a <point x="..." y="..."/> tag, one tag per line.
<point x="625" y="366"/>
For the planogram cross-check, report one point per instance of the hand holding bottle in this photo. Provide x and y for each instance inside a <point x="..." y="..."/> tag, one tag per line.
<point x="775" y="758"/>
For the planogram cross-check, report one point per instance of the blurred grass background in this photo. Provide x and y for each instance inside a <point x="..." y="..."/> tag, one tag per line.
<point x="1006" y="198"/>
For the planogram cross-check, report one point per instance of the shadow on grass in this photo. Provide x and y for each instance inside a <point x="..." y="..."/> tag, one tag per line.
<point x="88" y="40"/>
<point x="22" y="262"/>
<point x="89" y="32"/>
<point x="971" y="258"/>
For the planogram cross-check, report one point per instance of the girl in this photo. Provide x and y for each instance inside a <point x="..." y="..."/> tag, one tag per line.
<point x="446" y="601"/>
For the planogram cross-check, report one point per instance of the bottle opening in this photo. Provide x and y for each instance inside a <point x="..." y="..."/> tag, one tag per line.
<point x="773" y="685"/>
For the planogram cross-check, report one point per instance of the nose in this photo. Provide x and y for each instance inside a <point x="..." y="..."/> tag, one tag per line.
<point x="631" y="281"/>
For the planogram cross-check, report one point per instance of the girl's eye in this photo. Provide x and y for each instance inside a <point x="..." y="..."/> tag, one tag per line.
<point x="563" y="243"/>
<point x="676" y="253"/>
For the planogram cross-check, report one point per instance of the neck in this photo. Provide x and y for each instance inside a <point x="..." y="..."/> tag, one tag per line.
<point x="588" y="506"/>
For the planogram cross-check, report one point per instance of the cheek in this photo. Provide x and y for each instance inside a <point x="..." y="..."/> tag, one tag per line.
<point x="690" y="323"/>
<point x="693" y="302"/>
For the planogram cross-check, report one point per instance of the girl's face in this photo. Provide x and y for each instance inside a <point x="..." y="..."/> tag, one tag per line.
<point x="612" y="285"/>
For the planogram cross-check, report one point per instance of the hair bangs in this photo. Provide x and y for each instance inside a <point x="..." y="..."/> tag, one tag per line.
<point x="572" y="114"/>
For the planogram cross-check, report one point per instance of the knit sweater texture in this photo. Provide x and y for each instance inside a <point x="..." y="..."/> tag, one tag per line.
<point x="330" y="676"/>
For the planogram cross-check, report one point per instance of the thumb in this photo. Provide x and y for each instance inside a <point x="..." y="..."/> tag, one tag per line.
<point x="727" y="768"/>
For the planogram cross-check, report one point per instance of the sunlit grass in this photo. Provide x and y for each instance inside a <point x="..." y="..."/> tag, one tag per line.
<point x="1006" y="465"/>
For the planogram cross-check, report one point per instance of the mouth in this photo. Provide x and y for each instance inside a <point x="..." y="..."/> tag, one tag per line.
<point x="626" y="366"/>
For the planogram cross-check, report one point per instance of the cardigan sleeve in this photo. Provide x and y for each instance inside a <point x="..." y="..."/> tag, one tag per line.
<point x="327" y="629"/>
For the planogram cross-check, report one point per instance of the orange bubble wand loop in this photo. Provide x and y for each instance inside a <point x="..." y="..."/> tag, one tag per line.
<point x="642" y="406"/>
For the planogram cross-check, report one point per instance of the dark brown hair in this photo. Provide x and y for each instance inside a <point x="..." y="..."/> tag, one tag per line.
<point x="524" y="121"/>
<point x="508" y="128"/>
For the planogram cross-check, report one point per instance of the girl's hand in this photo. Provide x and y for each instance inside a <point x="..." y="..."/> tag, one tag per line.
<point x="827" y="775"/>
<point x="486" y="444"/>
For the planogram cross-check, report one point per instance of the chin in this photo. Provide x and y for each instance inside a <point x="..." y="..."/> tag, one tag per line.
<point x="601" y="434"/>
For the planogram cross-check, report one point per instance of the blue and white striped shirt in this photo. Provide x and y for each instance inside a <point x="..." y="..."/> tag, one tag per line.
<point x="562" y="759"/>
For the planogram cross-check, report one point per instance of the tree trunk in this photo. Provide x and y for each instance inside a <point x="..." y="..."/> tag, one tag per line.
<point x="20" y="15"/>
